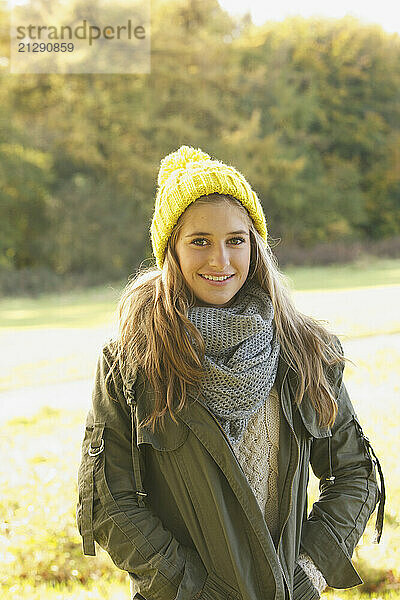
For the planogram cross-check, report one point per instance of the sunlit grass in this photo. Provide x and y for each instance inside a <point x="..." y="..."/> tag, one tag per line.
<point x="367" y="272"/>
<point x="55" y="369"/>
<point x="101" y="588"/>
<point x="87" y="308"/>
<point x="354" y="594"/>
<point x="40" y="543"/>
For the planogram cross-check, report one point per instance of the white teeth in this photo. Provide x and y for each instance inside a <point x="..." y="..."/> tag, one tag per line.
<point x="216" y="278"/>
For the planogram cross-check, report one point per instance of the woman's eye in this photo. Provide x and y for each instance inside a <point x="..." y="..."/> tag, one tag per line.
<point x="240" y="239"/>
<point x="236" y="241"/>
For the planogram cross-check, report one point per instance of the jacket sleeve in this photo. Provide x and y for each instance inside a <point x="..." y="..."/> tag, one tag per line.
<point x="346" y="467"/>
<point x="109" y="512"/>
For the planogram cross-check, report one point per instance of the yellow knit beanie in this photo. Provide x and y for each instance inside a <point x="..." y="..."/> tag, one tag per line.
<point x="184" y="176"/>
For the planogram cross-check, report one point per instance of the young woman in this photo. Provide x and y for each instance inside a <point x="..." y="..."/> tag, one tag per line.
<point x="208" y="409"/>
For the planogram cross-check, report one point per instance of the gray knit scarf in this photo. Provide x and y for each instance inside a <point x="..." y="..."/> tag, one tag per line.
<point x="241" y="357"/>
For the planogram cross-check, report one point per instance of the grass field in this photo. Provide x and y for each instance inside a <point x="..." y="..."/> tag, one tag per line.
<point x="40" y="547"/>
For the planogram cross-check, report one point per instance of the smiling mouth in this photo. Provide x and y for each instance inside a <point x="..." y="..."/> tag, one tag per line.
<point x="215" y="278"/>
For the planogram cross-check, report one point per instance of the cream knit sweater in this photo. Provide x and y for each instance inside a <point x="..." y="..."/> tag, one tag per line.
<point x="257" y="453"/>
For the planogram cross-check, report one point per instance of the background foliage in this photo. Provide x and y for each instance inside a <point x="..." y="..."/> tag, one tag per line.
<point x="307" y="109"/>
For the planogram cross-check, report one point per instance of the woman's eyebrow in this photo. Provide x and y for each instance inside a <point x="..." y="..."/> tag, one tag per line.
<point x="241" y="232"/>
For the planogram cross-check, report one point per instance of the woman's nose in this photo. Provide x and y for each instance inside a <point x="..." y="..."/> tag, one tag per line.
<point x="219" y="256"/>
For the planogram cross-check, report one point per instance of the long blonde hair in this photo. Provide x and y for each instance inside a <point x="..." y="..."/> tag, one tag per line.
<point x="156" y="335"/>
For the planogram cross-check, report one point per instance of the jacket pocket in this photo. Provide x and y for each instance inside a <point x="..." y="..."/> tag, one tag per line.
<point x="309" y="418"/>
<point x="216" y="588"/>
<point x="170" y="438"/>
<point x="303" y="588"/>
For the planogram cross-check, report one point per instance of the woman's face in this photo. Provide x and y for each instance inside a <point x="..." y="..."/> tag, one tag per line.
<point x="214" y="242"/>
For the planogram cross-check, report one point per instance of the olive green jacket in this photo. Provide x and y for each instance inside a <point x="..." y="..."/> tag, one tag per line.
<point x="174" y="508"/>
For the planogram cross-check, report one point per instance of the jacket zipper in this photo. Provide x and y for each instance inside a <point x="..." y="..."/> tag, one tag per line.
<point x="291" y="484"/>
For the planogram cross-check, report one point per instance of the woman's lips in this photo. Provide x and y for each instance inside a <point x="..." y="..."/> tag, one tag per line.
<point x="217" y="283"/>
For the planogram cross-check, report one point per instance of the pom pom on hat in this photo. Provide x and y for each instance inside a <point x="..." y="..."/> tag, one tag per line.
<point x="179" y="160"/>
<point x="187" y="174"/>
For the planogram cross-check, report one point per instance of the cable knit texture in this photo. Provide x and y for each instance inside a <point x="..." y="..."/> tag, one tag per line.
<point x="257" y="453"/>
<point x="310" y="569"/>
